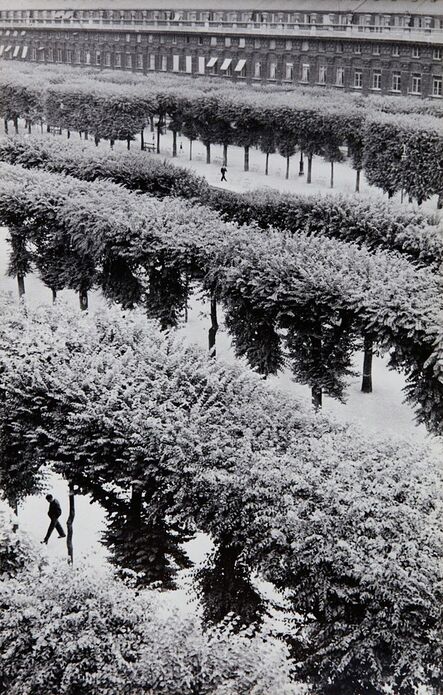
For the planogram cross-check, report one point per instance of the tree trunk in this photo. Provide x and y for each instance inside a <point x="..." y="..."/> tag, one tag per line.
<point x="357" y="181"/>
<point x="159" y="130"/>
<point x="208" y="153"/>
<point x="309" y="177"/>
<point x="151" y="123"/>
<point x="16" y="124"/>
<point x="5" y="122"/>
<point x="48" y="128"/>
<point x="316" y="398"/>
<point x="29" y="127"/>
<point x="142" y="139"/>
<point x="440" y="201"/>
<point x="174" y="143"/>
<point x="86" y="135"/>
<point x="214" y="326"/>
<point x="136" y="501"/>
<point x="68" y="134"/>
<point x="21" y="284"/>
<point x="316" y="351"/>
<point x="83" y="298"/>
<point x="366" y="384"/>
<point x="301" y="168"/>
<point x="41" y="126"/>
<point x="70" y="524"/>
<point x="246" y="167"/>
<point x="54" y="295"/>
<point x="287" y="168"/>
<point x="267" y="164"/>
<point x="225" y="155"/>
<point x="128" y="142"/>
<point x="332" y="173"/>
<point x="190" y="150"/>
<point x="111" y="143"/>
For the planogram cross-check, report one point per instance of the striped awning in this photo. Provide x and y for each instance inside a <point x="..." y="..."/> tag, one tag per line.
<point x="41" y="48"/>
<point x="2" y="48"/>
<point x="240" y="65"/>
<point x="211" y="62"/>
<point x="24" y="51"/>
<point x="7" y="49"/>
<point x="16" y="51"/>
<point x="226" y="63"/>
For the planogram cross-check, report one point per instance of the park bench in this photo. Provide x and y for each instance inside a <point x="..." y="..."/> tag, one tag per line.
<point x="149" y="147"/>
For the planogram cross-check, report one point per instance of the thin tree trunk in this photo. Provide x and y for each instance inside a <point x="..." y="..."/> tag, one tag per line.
<point x="29" y="127"/>
<point x="316" y="351"/>
<point x="128" y="142"/>
<point x="440" y="201"/>
<point x="21" y="284"/>
<point x="96" y="140"/>
<point x="214" y="326"/>
<point x="48" y="128"/>
<point x="366" y="384"/>
<point x="158" y="138"/>
<point x="86" y="135"/>
<point x="287" y="168"/>
<point x="16" y="125"/>
<point x="151" y="123"/>
<point x="68" y="134"/>
<point x="267" y="164"/>
<point x="309" y="177"/>
<point x="54" y="295"/>
<point x="142" y="139"/>
<point x="301" y="167"/>
<point x="5" y="122"/>
<point x="83" y="298"/>
<point x="136" y="501"/>
<point x="246" y="167"/>
<point x="174" y="143"/>
<point x="225" y="155"/>
<point x="190" y="150"/>
<point x="70" y="524"/>
<point x="332" y="173"/>
<point x="357" y="181"/>
<point x="208" y="153"/>
<point x="111" y="143"/>
<point x="41" y="126"/>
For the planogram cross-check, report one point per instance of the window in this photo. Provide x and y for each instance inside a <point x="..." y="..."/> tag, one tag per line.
<point x="150" y="38"/>
<point x="69" y="56"/>
<point x="33" y="54"/>
<point x="305" y="72"/>
<point x="358" y="79"/>
<point x="272" y="70"/>
<point x="118" y="60"/>
<point x="396" y="82"/>
<point x="357" y="48"/>
<point x="416" y="84"/>
<point x="174" y="40"/>
<point x="241" y="42"/>
<point x="139" y="38"/>
<point x="376" y="80"/>
<point x="213" y="40"/>
<point x="340" y="77"/>
<point x="227" y="41"/>
<point x="257" y="69"/>
<point x="108" y="59"/>
<point x="98" y="58"/>
<point x="272" y="44"/>
<point x="395" y="51"/>
<point x="305" y="45"/>
<point x="289" y="71"/>
<point x="50" y="55"/>
<point x="288" y="45"/>
<point x="376" y="49"/>
<point x="436" y="54"/>
<point x="200" y="40"/>
<point x="339" y="47"/>
<point x="322" y="74"/>
<point x="59" y="55"/>
<point x="128" y="60"/>
<point x="416" y="51"/>
<point x="175" y="63"/>
<point x="128" y="38"/>
<point x="257" y="43"/>
<point x="437" y="87"/>
<point x="189" y="64"/>
<point x="139" y="63"/>
<point x="77" y="56"/>
<point x="201" y="65"/>
<point x="152" y="62"/>
<point x="164" y="64"/>
<point x="116" y="37"/>
<point x="161" y="38"/>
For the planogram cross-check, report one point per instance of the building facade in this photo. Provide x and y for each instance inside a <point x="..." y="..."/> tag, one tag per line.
<point x="367" y="46"/>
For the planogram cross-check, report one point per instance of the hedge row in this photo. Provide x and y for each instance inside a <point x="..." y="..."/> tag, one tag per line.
<point x="373" y="223"/>
<point x="348" y="527"/>
<point x="142" y="249"/>
<point x="247" y="119"/>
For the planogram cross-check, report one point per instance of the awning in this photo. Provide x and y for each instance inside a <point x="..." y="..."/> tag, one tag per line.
<point x="41" y="48"/>
<point x="16" y="51"/>
<point x="240" y="65"/>
<point x="7" y="49"/>
<point x="24" y="51"/>
<point x="211" y="62"/>
<point x="226" y="63"/>
<point x="23" y="33"/>
<point x="2" y="48"/>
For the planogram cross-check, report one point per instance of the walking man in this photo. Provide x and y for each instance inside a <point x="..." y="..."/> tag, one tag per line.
<point x="54" y="513"/>
<point x="223" y="173"/>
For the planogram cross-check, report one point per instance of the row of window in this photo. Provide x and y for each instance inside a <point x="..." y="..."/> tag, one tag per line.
<point x="381" y="20"/>
<point x="226" y="66"/>
<point x="271" y="44"/>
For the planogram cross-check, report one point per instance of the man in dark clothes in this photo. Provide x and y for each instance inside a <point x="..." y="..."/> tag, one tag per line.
<point x="223" y="173"/>
<point x="54" y="514"/>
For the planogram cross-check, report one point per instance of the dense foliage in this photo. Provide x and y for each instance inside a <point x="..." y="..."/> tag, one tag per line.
<point x="350" y="529"/>
<point x="369" y="222"/>
<point x="229" y="115"/>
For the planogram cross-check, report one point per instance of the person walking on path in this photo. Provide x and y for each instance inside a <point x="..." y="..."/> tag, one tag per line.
<point x="54" y="513"/>
<point x="223" y="173"/>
